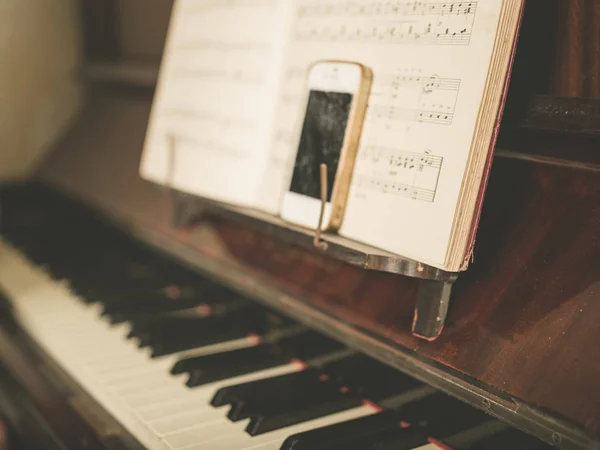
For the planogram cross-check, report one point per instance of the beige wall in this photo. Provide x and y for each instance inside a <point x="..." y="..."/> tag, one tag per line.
<point x="39" y="93"/>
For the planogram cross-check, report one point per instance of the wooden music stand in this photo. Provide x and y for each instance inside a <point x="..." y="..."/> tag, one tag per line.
<point x="435" y="285"/>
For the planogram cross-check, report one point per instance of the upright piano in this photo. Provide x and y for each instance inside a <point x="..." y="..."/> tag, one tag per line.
<point x="132" y="318"/>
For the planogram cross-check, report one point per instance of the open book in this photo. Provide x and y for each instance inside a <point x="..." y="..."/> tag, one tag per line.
<point x="229" y="108"/>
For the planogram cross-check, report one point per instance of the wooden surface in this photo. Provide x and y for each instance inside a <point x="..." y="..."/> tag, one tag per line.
<point x="577" y="43"/>
<point x="523" y="320"/>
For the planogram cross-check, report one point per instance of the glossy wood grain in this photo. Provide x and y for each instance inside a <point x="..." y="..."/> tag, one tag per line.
<point x="577" y="47"/>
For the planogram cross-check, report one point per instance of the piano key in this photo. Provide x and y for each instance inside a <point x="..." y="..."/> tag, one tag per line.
<point x="469" y="437"/>
<point x="184" y="420"/>
<point x="392" y="430"/>
<point x="510" y="439"/>
<point x="249" y="390"/>
<point x="223" y="436"/>
<point x="293" y="391"/>
<point x="271" y="416"/>
<point x="135" y="313"/>
<point x="343" y="432"/>
<point x="304" y="347"/>
<point x="359" y="373"/>
<point x="204" y="290"/>
<point x="178" y="334"/>
<point x="440" y="413"/>
<point x="390" y="439"/>
<point x="304" y="407"/>
<point x="142" y="313"/>
<point x="170" y="408"/>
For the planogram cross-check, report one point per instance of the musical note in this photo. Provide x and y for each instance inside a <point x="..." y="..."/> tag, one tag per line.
<point x="388" y="8"/>
<point x="389" y="22"/>
<point x="397" y="34"/>
<point x="392" y="187"/>
<point x="382" y="112"/>
<point x="411" y="96"/>
<point x="409" y="174"/>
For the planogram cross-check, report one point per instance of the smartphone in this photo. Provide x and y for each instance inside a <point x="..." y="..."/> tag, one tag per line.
<point x="335" y="106"/>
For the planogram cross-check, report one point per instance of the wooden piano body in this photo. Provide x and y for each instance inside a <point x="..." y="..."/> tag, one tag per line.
<point x="521" y="335"/>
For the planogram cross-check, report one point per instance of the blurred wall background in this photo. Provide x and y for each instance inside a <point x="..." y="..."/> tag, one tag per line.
<point x="40" y="91"/>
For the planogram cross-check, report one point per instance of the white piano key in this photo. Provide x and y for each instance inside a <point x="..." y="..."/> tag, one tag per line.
<point x="165" y="410"/>
<point x="206" y="433"/>
<point x="433" y="446"/>
<point x="273" y="439"/>
<point x="187" y="420"/>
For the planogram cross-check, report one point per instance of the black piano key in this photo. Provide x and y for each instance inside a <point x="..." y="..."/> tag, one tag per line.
<point x="128" y="272"/>
<point x="510" y="439"/>
<point x="372" y="379"/>
<point x="183" y="333"/>
<point x="343" y="432"/>
<point x="220" y="366"/>
<point x="302" y="346"/>
<point x="448" y="416"/>
<point x="253" y="318"/>
<point x="276" y="415"/>
<point x="229" y="394"/>
<point x="309" y="346"/>
<point x="291" y="391"/>
<point x="186" y="340"/>
<point x="209" y="299"/>
<point x="140" y="310"/>
<point x="294" y="395"/>
<point x="441" y="415"/>
<point x="284" y="401"/>
<point x="227" y="306"/>
<point x="93" y="286"/>
<point x="413" y="425"/>
<point x="391" y="439"/>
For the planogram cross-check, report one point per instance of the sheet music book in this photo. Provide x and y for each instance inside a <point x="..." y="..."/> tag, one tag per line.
<point x="229" y="108"/>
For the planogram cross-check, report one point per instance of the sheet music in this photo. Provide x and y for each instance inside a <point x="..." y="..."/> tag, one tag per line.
<point x="430" y="61"/>
<point x="216" y="97"/>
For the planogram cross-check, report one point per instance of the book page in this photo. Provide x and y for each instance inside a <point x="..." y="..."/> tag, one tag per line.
<point x="210" y="124"/>
<point x="430" y="61"/>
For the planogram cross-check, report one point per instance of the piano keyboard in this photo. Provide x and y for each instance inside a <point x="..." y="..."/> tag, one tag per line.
<point x="183" y="363"/>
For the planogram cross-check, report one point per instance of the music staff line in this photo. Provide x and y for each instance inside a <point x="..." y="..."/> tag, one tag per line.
<point x="408" y="160"/>
<point x="426" y="83"/>
<point x="205" y="116"/>
<point x="416" y="98"/>
<point x="391" y="112"/>
<point x="220" y="75"/>
<point x="397" y="113"/>
<point x="206" y="145"/>
<point x="392" y="187"/>
<point x="400" y="166"/>
<point x="388" y="8"/>
<point x="386" y="35"/>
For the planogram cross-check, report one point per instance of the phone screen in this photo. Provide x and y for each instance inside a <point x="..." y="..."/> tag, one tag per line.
<point x="321" y="141"/>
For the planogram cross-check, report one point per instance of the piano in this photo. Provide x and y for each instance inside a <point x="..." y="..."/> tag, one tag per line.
<point x="124" y="326"/>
